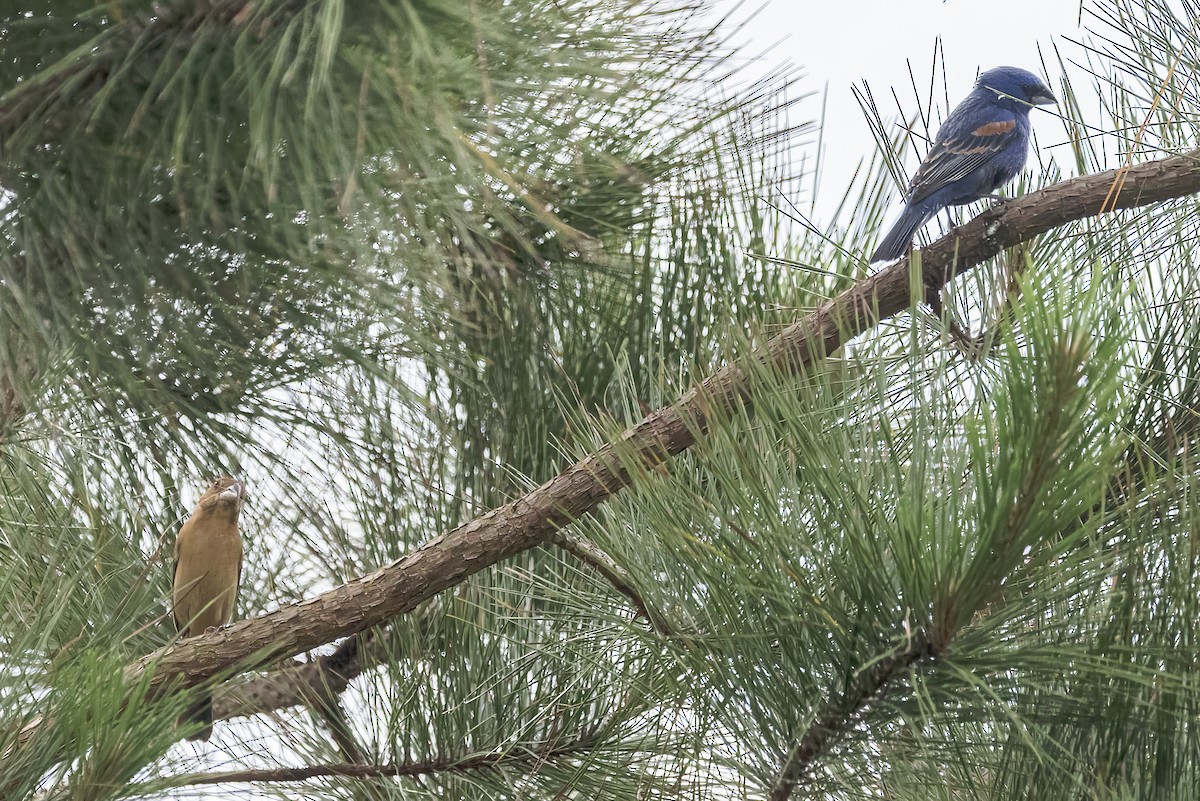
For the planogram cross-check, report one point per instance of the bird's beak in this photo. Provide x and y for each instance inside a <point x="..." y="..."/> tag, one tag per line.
<point x="1044" y="98"/>
<point x="235" y="491"/>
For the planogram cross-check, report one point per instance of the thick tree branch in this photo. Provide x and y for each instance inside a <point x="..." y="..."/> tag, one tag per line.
<point x="533" y="519"/>
<point x="300" y="683"/>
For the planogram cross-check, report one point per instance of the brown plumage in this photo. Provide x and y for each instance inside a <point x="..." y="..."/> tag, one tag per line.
<point x="208" y="569"/>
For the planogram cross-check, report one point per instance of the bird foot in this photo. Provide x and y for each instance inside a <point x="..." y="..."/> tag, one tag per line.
<point x="211" y="629"/>
<point x="996" y="200"/>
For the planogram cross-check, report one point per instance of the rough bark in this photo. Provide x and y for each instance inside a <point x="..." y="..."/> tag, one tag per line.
<point x="314" y="683"/>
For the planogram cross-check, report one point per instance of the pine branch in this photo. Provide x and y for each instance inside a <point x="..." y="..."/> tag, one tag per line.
<point x="534" y="518"/>
<point x="76" y="79"/>
<point x="512" y="755"/>
<point x="953" y="611"/>
<point x="623" y="583"/>
<point x="312" y="683"/>
<point x="840" y="714"/>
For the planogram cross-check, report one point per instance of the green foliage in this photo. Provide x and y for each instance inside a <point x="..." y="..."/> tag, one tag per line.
<point x="394" y="263"/>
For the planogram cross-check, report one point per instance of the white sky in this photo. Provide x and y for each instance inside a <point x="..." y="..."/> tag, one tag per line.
<point x="838" y="43"/>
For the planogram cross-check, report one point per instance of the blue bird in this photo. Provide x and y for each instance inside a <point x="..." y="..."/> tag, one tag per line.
<point x="980" y="147"/>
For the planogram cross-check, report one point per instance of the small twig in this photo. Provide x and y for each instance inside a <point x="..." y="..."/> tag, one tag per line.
<point x="333" y="714"/>
<point x="12" y="404"/>
<point x="540" y="752"/>
<point x="1010" y="292"/>
<point x="622" y="582"/>
<point x="969" y="345"/>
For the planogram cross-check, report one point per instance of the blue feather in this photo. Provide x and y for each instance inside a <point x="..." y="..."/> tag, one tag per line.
<point x="981" y="146"/>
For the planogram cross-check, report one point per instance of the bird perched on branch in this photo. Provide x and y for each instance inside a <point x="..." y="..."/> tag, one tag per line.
<point x="208" y="569"/>
<point x="980" y="147"/>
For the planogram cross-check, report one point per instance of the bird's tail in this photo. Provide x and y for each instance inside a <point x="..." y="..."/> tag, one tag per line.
<point x="201" y="711"/>
<point x="900" y="236"/>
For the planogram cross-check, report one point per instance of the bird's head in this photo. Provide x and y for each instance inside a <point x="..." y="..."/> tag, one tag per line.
<point x="227" y="493"/>
<point x="1015" y="88"/>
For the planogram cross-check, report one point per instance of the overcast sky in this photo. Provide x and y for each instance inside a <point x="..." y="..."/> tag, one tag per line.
<point x="842" y="42"/>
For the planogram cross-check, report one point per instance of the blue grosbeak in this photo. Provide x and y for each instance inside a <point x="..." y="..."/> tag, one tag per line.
<point x="980" y="147"/>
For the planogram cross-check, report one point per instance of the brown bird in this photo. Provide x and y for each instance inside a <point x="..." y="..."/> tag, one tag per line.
<point x="208" y="569"/>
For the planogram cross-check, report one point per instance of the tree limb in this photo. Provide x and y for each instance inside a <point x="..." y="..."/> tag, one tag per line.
<point x="300" y="683"/>
<point x="533" y="519"/>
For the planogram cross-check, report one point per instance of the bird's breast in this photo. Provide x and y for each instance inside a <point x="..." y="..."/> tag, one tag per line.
<point x="206" y="577"/>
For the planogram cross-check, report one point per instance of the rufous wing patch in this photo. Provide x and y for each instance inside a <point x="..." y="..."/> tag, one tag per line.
<point x="995" y="128"/>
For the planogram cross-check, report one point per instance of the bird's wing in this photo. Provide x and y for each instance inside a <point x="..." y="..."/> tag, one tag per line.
<point x="180" y="625"/>
<point x="174" y="579"/>
<point x="954" y="156"/>
<point x="237" y="587"/>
